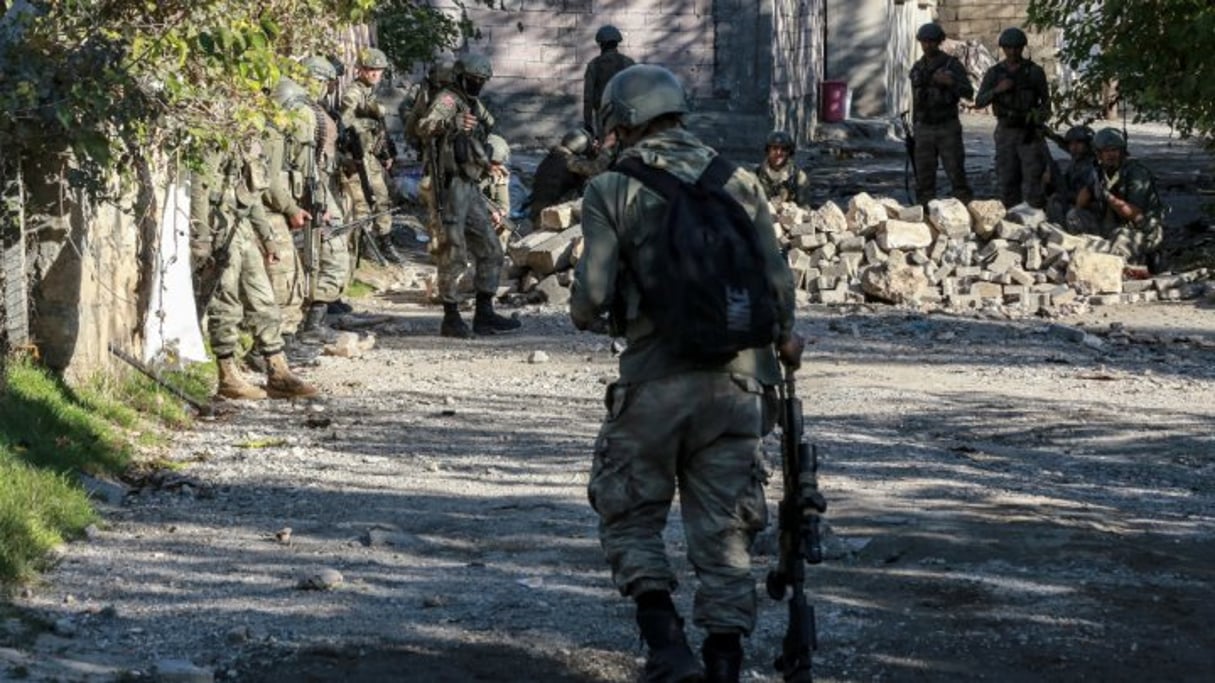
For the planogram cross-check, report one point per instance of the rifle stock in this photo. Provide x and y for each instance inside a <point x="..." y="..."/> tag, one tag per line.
<point x="800" y="512"/>
<point x="355" y="144"/>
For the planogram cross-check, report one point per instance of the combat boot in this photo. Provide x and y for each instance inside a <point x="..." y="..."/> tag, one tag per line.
<point x="282" y="383"/>
<point x="485" y="321"/>
<point x="313" y="329"/>
<point x="233" y="385"/>
<point x="669" y="660"/>
<point x="340" y="307"/>
<point x="722" y="654"/>
<point x="388" y="249"/>
<point x="298" y="354"/>
<point x="453" y="325"/>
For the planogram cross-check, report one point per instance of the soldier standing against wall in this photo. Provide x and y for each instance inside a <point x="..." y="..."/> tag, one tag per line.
<point x="600" y="70"/>
<point x="228" y="219"/>
<point x="1017" y="91"/>
<point x="363" y="118"/>
<point x="938" y="83"/>
<point x="672" y="421"/>
<point x="460" y="137"/>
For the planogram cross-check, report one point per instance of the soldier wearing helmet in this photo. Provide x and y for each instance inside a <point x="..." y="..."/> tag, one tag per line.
<point x="780" y="177"/>
<point x="371" y="149"/>
<point x="1128" y="205"/>
<point x="670" y="418"/>
<point x="440" y="74"/>
<point x="565" y="170"/>
<point x="600" y="70"/>
<point x="496" y="186"/>
<point x="1017" y="91"/>
<point x="456" y="128"/>
<point x="938" y="85"/>
<point x="1071" y="185"/>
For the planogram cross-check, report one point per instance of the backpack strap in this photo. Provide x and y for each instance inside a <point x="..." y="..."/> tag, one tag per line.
<point x="665" y="183"/>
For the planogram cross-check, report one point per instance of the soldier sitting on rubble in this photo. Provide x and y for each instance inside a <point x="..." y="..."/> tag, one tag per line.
<point x="780" y="177"/>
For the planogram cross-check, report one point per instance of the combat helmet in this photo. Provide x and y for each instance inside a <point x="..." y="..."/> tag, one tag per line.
<point x="1078" y="134"/>
<point x="474" y="65"/>
<point x="576" y="141"/>
<point x="1107" y="138"/>
<point x="499" y="151"/>
<point x="441" y="72"/>
<point x="372" y="58"/>
<point x="639" y="94"/>
<point x="930" y="31"/>
<point x="319" y="68"/>
<point x="287" y="93"/>
<point x="1013" y="37"/>
<point x="779" y="138"/>
<point x="608" y="34"/>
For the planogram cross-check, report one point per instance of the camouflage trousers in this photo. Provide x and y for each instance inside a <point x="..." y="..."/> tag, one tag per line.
<point x="244" y="293"/>
<point x="466" y="232"/>
<point x="1135" y="243"/>
<point x="701" y="432"/>
<point x="944" y="142"/>
<point x="1020" y="163"/>
<point x="333" y="269"/>
<point x="381" y="199"/>
<point x="286" y="275"/>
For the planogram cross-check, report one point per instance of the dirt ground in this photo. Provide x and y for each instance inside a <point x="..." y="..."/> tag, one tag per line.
<point x="1010" y="500"/>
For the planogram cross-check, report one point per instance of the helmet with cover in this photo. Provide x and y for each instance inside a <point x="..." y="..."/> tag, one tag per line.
<point x="1013" y="37"/>
<point x="576" y="141"/>
<point x="499" y="150"/>
<point x="931" y="31"/>
<point x="1078" y="134"/>
<point x="779" y="138"/>
<point x="372" y="58"/>
<point x="638" y="95"/>
<point x="608" y="34"/>
<point x="1109" y="138"/>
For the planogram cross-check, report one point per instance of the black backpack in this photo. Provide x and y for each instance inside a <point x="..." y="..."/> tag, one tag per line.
<point x="709" y="294"/>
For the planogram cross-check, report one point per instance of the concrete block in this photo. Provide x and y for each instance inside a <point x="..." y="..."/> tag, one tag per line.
<point x="1097" y="273"/>
<point x="986" y="214"/>
<point x="895" y="234"/>
<point x="950" y="217"/>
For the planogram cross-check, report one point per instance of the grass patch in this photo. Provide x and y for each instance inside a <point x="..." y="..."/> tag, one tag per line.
<point x="49" y="432"/>
<point x="357" y="289"/>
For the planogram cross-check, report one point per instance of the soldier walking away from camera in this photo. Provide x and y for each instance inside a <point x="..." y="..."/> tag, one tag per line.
<point x="677" y="420"/>
<point x="938" y="84"/>
<point x="1071" y="186"/>
<point x="1018" y="93"/>
<point x="565" y="170"/>
<point x="460" y="138"/>
<point x="370" y="148"/>
<point x="780" y="177"/>
<point x="1129" y="205"/>
<point x="600" y="70"/>
<point x="228" y="224"/>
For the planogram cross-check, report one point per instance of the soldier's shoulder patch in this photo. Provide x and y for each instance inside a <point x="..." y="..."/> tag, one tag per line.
<point x="448" y="100"/>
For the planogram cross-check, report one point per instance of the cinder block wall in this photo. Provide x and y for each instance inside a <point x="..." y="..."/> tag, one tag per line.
<point x="983" y="20"/>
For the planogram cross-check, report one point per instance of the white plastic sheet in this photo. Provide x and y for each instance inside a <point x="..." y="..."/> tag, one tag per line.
<point x="171" y="333"/>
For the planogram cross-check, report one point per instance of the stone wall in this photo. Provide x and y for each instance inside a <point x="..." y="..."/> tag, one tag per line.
<point x="721" y="49"/>
<point x="983" y="20"/>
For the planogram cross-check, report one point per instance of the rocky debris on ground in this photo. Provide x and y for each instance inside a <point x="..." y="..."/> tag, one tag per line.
<point x="322" y="579"/>
<point x="952" y="256"/>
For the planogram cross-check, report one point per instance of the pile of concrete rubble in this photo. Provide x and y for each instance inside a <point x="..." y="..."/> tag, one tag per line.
<point x="953" y="256"/>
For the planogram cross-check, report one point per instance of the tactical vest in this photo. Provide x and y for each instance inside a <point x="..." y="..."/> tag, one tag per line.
<point x="1013" y="107"/>
<point x="932" y="104"/>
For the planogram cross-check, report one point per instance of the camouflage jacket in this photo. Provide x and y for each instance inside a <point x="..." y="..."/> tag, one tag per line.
<point x="459" y="151"/>
<point x="362" y="115"/>
<point x="934" y="103"/>
<point x="1027" y="103"/>
<point x="619" y="218"/>
<point x="598" y="72"/>
<point x="560" y="177"/>
<point x="1134" y="184"/>
<point x="229" y="191"/>
<point x="296" y="167"/>
<point x="783" y="184"/>
<point x="1075" y="175"/>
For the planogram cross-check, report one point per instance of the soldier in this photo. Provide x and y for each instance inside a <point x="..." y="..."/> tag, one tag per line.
<point x="1130" y="208"/>
<point x="459" y="134"/>
<point x="1072" y="185"/>
<point x="496" y="186"/>
<point x="370" y="148"/>
<point x="563" y="173"/>
<point x="671" y="419"/>
<point x="227" y="220"/>
<point x="600" y="70"/>
<point x="781" y="179"/>
<point x="938" y="83"/>
<point x="438" y="77"/>
<point x="1017" y="90"/>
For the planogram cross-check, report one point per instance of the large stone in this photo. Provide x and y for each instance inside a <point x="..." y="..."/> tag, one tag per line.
<point x="829" y="218"/>
<point x="894" y="283"/>
<point x="950" y="217"/>
<point x="561" y="216"/>
<point x="865" y="213"/>
<point x="987" y="213"/>
<point x="896" y="234"/>
<point x="554" y="253"/>
<point x="1096" y="273"/>
<point x="552" y="291"/>
<point x="1027" y="215"/>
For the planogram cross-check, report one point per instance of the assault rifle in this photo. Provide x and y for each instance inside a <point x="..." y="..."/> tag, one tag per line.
<point x="204" y="409"/>
<point x="801" y="509"/>
<point x="312" y="231"/>
<point x="354" y="145"/>
<point x="909" y="170"/>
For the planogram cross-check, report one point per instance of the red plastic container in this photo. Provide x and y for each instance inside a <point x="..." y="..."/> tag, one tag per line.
<point x="833" y="101"/>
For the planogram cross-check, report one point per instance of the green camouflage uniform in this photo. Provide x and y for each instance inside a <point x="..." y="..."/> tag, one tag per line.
<point x="287" y="274"/>
<point x="1068" y="180"/>
<point x="363" y="116"/>
<point x="938" y="131"/>
<point x="229" y="196"/>
<point x="466" y="228"/>
<point x="560" y="177"/>
<point x="669" y="419"/>
<point x="1134" y="184"/>
<point x="788" y="183"/>
<point x="1021" y="153"/>
<point x="598" y="72"/>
